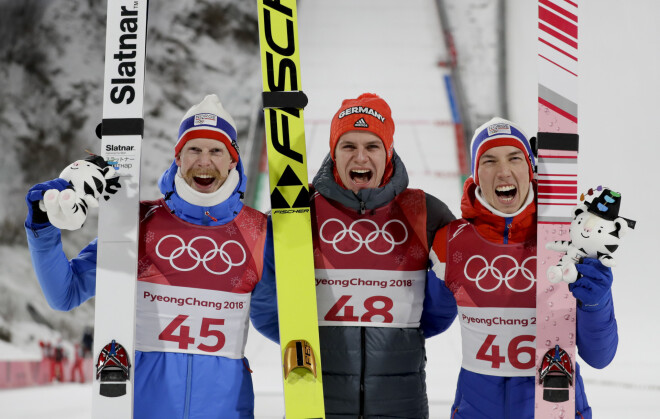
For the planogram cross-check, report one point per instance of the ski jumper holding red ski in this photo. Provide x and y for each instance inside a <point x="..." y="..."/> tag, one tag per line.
<point x="487" y="260"/>
<point x="371" y="236"/>
<point x="199" y="270"/>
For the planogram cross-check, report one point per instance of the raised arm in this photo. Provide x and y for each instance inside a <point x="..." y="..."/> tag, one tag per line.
<point x="65" y="283"/>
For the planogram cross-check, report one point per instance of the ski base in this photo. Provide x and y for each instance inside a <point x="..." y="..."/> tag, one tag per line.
<point x="557" y="181"/>
<point x="117" y="252"/>
<point x="291" y="216"/>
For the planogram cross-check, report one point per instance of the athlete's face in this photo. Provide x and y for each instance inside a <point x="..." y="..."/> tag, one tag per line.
<point x="360" y="160"/>
<point x="504" y="178"/>
<point x="205" y="164"/>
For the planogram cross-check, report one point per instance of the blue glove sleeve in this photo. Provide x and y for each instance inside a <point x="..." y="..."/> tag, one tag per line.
<point x="597" y="336"/>
<point x="593" y="289"/>
<point x="65" y="284"/>
<point x="36" y="218"/>
<point x="263" y="305"/>
<point x="439" y="309"/>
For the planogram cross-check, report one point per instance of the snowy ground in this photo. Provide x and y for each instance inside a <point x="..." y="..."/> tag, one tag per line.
<point x="618" y="104"/>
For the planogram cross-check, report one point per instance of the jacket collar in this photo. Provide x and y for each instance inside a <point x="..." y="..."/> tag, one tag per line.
<point x="219" y="214"/>
<point x="498" y="228"/>
<point x="366" y="199"/>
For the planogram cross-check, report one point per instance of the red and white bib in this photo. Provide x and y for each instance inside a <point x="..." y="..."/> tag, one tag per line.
<point x="370" y="268"/>
<point x="195" y="282"/>
<point x="495" y="289"/>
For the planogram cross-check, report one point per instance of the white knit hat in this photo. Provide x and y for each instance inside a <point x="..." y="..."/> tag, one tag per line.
<point x="208" y="119"/>
<point x="495" y="133"/>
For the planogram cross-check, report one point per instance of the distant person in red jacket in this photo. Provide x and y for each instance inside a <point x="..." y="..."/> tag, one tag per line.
<point x="47" y="360"/>
<point x="77" y="364"/>
<point x="58" y="362"/>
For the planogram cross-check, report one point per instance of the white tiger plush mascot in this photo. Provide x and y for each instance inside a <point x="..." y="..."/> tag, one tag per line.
<point x="89" y="179"/>
<point x="595" y="233"/>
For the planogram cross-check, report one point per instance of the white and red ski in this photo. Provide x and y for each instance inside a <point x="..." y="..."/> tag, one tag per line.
<point x="116" y="274"/>
<point x="557" y="175"/>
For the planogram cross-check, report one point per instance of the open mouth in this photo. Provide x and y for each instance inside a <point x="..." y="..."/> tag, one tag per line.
<point x="360" y="176"/>
<point x="204" y="180"/>
<point x="506" y="193"/>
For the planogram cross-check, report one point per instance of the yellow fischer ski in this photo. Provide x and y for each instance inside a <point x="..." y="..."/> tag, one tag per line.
<point x="289" y="194"/>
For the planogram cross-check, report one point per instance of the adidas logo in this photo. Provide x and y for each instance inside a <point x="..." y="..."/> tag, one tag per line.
<point x="361" y="123"/>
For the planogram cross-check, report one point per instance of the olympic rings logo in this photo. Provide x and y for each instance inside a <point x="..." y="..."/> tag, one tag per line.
<point x="357" y="238"/>
<point x="197" y="257"/>
<point x="497" y="274"/>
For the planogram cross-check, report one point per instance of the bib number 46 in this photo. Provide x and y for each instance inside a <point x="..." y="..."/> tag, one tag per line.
<point x="184" y="339"/>
<point x="491" y="353"/>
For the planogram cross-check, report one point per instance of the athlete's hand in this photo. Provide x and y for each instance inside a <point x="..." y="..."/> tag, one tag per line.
<point x="36" y="216"/>
<point x="593" y="288"/>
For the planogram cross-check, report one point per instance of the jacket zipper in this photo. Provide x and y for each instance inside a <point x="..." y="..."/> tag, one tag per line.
<point x="362" y="368"/>
<point x="208" y="214"/>
<point x="506" y="397"/>
<point x="507" y="232"/>
<point x="186" y="408"/>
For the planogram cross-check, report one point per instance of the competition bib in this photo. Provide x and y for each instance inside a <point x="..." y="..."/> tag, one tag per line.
<point x="370" y="268"/>
<point x="495" y="289"/>
<point x="195" y="282"/>
<point x="349" y="297"/>
<point x="191" y="320"/>
<point x="498" y="341"/>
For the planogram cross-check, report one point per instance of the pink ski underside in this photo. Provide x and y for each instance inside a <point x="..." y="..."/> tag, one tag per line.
<point x="559" y="32"/>
<point x="557" y="154"/>
<point x="555" y="306"/>
<point x="555" y="311"/>
<point x="554" y="119"/>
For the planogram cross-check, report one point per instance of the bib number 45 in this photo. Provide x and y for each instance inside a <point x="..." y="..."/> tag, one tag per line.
<point x="491" y="353"/>
<point x="184" y="339"/>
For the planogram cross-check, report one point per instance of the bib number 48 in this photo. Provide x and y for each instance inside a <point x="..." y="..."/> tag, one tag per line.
<point x="184" y="339"/>
<point x="384" y="304"/>
<point x="491" y="353"/>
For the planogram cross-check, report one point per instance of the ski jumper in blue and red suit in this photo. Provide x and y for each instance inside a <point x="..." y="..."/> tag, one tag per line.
<point x="199" y="273"/>
<point x="488" y="263"/>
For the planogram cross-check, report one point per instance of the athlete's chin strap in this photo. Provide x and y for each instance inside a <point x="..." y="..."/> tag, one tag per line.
<point x="188" y="194"/>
